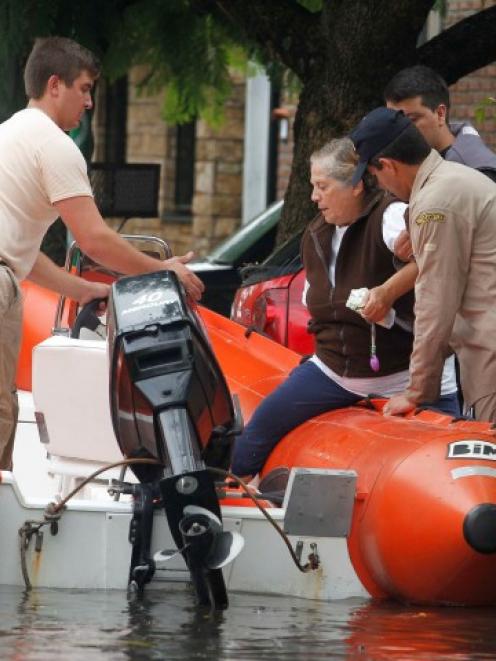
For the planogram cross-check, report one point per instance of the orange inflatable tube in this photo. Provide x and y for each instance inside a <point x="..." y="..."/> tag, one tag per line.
<point x="40" y="306"/>
<point x="424" y="520"/>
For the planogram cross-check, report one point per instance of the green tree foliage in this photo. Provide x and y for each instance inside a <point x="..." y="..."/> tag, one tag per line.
<point x="91" y="22"/>
<point x="18" y="23"/>
<point x="185" y="52"/>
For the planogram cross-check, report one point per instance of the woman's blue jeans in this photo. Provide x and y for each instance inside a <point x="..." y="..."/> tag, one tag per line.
<point x="306" y="393"/>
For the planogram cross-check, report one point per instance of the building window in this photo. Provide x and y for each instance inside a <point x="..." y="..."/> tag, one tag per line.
<point x="185" y="168"/>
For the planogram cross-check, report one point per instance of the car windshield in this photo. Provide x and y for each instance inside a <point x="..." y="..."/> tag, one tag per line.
<point x="284" y="260"/>
<point x="252" y="242"/>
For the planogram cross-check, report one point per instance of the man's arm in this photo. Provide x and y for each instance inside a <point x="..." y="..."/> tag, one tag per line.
<point x="47" y="274"/>
<point x="403" y="247"/>
<point x="106" y="247"/>
<point x="381" y="299"/>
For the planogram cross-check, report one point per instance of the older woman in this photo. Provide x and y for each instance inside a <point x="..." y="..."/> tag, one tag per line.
<point x="347" y="246"/>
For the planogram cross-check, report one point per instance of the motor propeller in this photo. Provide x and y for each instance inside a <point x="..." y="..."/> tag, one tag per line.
<point x="224" y="547"/>
<point x="203" y="533"/>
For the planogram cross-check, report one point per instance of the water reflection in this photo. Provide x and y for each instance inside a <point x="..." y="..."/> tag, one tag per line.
<point x="168" y="626"/>
<point x="77" y="625"/>
<point x="393" y="632"/>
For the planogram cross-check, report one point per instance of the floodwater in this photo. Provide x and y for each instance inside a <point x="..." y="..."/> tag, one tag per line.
<point x="83" y="625"/>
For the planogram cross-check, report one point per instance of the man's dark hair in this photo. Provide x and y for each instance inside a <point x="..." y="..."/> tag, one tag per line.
<point x="409" y="147"/>
<point x="57" y="56"/>
<point x="418" y="81"/>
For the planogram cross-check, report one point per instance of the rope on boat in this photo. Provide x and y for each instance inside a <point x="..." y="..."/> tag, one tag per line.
<point x="313" y="560"/>
<point x="26" y="531"/>
<point x="53" y="512"/>
<point x="57" y="507"/>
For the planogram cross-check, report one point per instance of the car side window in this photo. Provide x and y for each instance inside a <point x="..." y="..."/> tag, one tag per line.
<point x="284" y="260"/>
<point x="259" y="250"/>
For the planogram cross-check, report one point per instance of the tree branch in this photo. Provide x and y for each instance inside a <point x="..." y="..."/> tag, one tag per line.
<point x="463" y="48"/>
<point x="358" y="31"/>
<point x="285" y="30"/>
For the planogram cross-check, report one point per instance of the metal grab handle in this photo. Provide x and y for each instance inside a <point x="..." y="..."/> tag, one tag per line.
<point x="73" y="261"/>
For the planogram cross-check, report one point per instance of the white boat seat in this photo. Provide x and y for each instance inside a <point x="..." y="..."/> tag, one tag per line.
<point x="71" y="390"/>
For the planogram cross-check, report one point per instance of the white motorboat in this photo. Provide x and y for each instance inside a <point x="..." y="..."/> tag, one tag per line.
<point x="66" y="432"/>
<point x="370" y="506"/>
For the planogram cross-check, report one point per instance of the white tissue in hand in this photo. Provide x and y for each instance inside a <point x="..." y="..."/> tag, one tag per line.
<point x="358" y="299"/>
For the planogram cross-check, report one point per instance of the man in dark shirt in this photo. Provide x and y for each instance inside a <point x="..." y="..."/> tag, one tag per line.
<point x="424" y="98"/>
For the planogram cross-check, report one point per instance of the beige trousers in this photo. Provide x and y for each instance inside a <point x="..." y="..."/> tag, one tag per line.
<point x="10" y="340"/>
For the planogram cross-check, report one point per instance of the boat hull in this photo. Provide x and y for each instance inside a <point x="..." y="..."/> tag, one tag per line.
<point x="91" y="551"/>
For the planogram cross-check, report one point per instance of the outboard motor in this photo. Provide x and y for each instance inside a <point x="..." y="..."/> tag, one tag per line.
<point x="170" y="402"/>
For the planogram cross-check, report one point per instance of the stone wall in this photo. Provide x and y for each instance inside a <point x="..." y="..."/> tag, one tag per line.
<point x="146" y="142"/>
<point x="98" y="121"/>
<point x="216" y="208"/>
<point x="219" y="175"/>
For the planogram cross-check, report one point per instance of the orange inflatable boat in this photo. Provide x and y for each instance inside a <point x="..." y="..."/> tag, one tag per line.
<point x="424" y="516"/>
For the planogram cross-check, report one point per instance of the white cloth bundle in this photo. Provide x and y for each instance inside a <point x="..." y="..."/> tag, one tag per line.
<point x="357" y="301"/>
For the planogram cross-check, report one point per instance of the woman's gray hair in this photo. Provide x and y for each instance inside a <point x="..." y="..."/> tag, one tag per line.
<point x="339" y="159"/>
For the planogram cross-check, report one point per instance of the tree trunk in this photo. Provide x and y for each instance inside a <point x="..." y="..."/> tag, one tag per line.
<point x="344" y="87"/>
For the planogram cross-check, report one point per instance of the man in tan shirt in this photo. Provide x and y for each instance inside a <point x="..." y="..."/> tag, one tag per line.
<point x="43" y="176"/>
<point x="453" y="230"/>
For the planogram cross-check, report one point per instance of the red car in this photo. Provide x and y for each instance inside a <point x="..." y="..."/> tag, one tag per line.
<point x="270" y="299"/>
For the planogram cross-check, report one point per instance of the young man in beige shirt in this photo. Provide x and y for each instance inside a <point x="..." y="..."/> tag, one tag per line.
<point x="43" y="176"/>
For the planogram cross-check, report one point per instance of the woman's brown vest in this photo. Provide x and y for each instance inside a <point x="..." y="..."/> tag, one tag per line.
<point x="342" y="335"/>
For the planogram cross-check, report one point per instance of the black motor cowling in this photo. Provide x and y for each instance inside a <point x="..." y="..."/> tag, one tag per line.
<point x="164" y="376"/>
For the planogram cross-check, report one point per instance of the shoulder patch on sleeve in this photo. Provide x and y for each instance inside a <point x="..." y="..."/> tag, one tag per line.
<point x="430" y="216"/>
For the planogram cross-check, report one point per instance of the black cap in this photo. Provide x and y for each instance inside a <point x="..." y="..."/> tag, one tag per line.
<point x="373" y="133"/>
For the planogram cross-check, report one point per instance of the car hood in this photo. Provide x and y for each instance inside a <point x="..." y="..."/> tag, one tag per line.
<point x="203" y="266"/>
